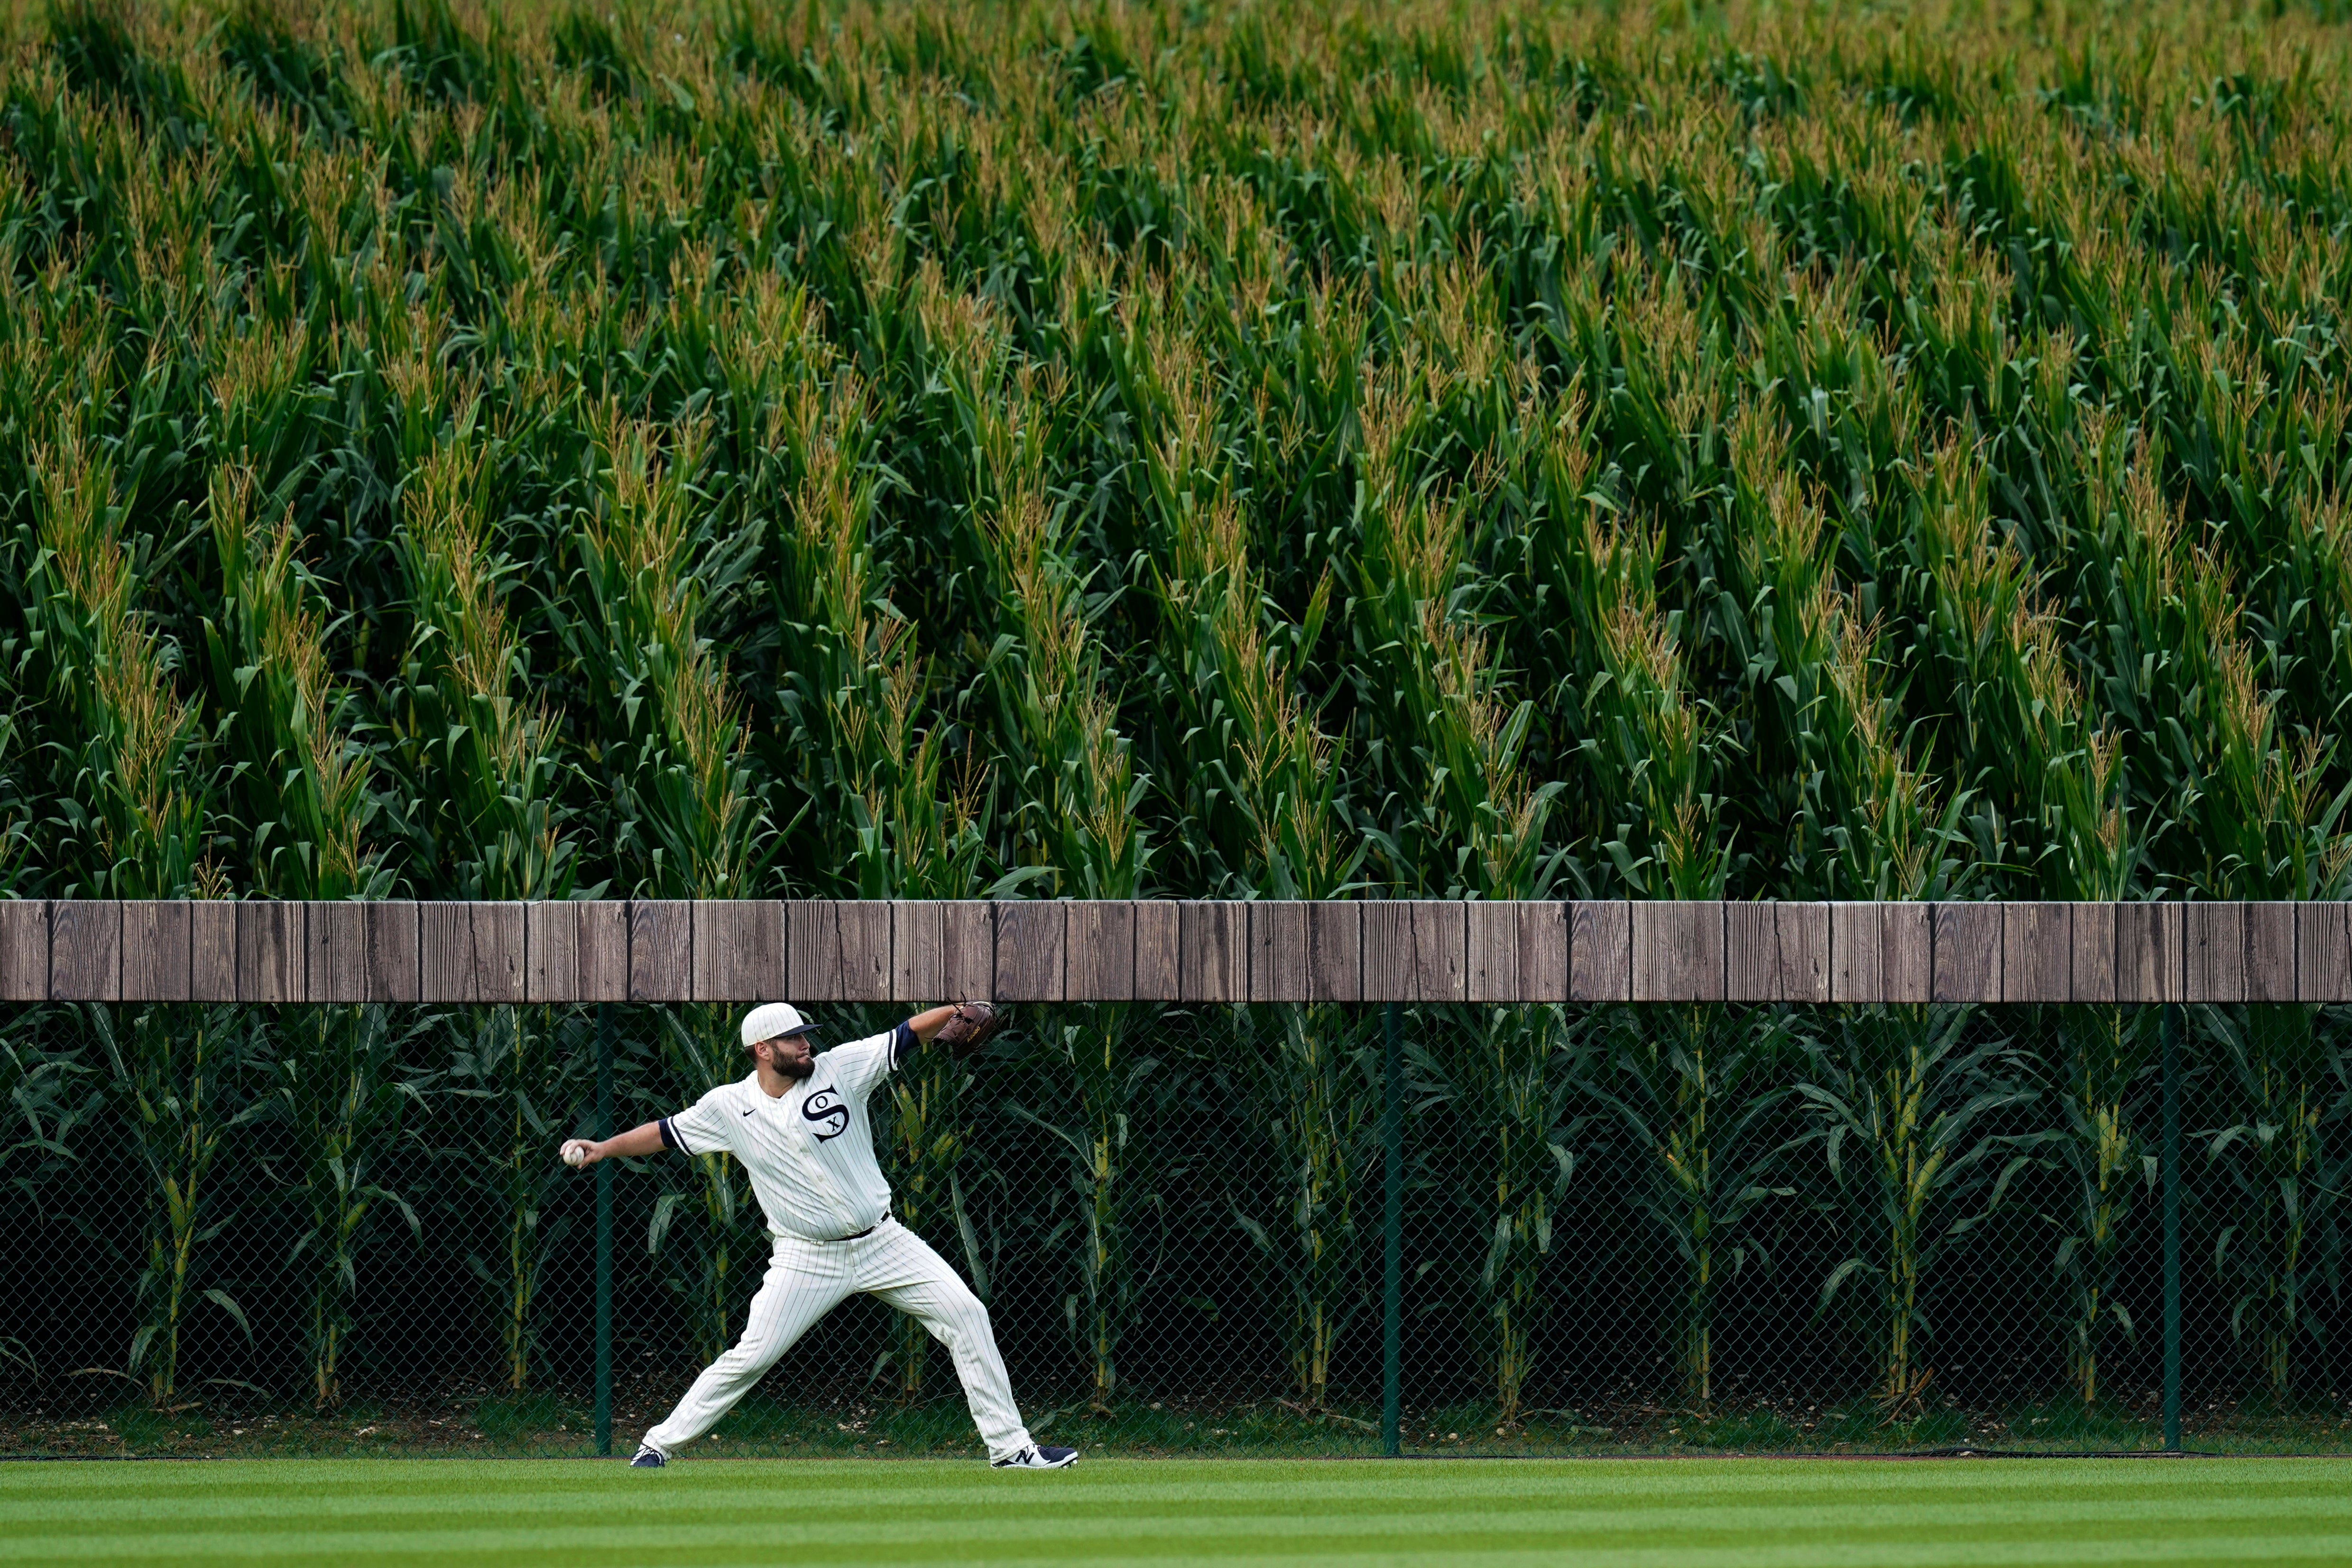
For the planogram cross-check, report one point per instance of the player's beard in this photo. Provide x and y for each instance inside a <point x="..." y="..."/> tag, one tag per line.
<point x="797" y="1071"/>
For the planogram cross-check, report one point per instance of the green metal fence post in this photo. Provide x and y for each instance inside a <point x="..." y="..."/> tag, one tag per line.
<point x="2171" y="1070"/>
<point x="604" y="1232"/>
<point x="1393" y="1229"/>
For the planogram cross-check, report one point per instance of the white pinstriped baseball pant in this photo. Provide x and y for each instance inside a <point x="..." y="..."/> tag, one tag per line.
<point x="806" y="1280"/>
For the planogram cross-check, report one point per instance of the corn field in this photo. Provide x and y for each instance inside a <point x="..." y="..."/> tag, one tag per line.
<point x="1466" y="451"/>
<point x="1087" y="452"/>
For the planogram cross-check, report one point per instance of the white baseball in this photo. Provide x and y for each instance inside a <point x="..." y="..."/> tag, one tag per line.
<point x="575" y="1153"/>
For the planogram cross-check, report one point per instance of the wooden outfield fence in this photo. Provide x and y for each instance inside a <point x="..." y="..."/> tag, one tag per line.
<point x="1171" y="950"/>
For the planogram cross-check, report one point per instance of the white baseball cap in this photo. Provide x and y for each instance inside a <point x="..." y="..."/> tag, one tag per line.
<point x="773" y="1020"/>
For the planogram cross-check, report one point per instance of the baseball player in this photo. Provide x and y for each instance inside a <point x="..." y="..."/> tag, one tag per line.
<point x="798" y="1124"/>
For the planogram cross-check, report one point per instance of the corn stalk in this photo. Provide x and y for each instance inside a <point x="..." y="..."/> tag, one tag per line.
<point x="1477" y="827"/>
<point x="1866" y="819"/>
<point x="1900" y="1106"/>
<point x="2285" y="1177"/>
<point x="1055" y="721"/>
<point x="478" y="752"/>
<point x="301" y="778"/>
<point x="1263" y="779"/>
<point x="136" y="741"/>
<point x="338" y="1086"/>
<point x="181" y="1086"/>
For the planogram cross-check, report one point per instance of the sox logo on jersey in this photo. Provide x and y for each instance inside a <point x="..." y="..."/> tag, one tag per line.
<point x="825" y="1108"/>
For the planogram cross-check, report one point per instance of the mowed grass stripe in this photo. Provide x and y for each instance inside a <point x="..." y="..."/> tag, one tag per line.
<point x="965" y="1485"/>
<point x="854" y="1522"/>
<point x="1336" y="1540"/>
<point x="1743" y="1512"/>
<point x="963" y="1488"/>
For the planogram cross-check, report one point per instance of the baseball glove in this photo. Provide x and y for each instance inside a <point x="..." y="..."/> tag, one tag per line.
<point x="973" y="1026"/>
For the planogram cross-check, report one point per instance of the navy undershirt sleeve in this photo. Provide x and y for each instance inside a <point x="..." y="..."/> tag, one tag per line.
<point x="902" y="1044"/>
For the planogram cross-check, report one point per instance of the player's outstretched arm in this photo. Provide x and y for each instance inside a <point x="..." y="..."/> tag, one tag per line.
<point x="925" y="1024"/>
<point x="642" y="1138"/>
<point x="963" y="1028"/>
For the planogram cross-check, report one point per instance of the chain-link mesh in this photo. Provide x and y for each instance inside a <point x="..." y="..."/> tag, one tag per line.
<point x="1614" y="1228"/>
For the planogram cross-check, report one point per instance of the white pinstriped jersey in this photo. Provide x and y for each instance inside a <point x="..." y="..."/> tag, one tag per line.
<point x="809" y="1152"/>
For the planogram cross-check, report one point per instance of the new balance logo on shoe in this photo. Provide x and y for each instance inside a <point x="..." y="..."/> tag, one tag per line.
<point x="1035" y="1458"/>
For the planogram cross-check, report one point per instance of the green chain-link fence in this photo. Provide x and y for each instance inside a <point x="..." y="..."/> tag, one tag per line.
<point x="1269" y="1228"/>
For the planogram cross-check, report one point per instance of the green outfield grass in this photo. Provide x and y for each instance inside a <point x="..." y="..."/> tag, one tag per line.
<point x="739" y="1511"/>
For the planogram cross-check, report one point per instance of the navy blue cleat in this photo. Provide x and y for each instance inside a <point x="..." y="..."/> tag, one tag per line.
<point x="1035" y="1459"/>
<point x="648" y="1458"/>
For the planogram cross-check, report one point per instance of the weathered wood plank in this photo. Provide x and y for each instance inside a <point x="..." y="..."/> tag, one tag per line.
<point x="1856" y="950"/>
<point x="1677" y="951"/>
<point x="918" y="966"/>
<point x="551" y="941"/>
<point x="1441" y="949"/>
<point x="1159" y="943"/>
<point x="2270" y="952"/>
<point x="838" y="950"/>
<point x="604" y="949"/>
<point x="24" y="950"/>
<point x="84" y="950"/>
<point x="470" y="953"/>
<point x="1967" y="952"/>
<point x="154" y="951"/>
<point x="865" y="925"/>
<point x="1518" y="950"/>
<point x="1278" y="970"/>
<point x="2037" y="951"/>
<point x="1776" y="951"/>
<point x="2323" y="941"/>
<point x="1212" y="950"/>
<point x="1804" y="932"/>
<point x="2149" y="957"/>
<point x="967" y="951"/>
<point x="2093" y="964"/>
<point x="1543" y="951"/>
<point x="393" y="956"/>
<point x="739" y="950"/>
<point x="1100" y="964"/>
<point x="1031" y="951"/>
<point x="1752" y="951"/>
<point x="1881" y="952"/>
<point x="661" y="950"/>
<point x="942" y="951"/>
<point x="812" y="951"/>
<point x="1335" y="950"/>
<point x="269" y="953"/>
<point x="1278" y="950"/>
<point x="1416" y="949"/>
<point x="1907" y="962"/>
<point x="1343" y="950"/>
<point x="1857" y="953"/>
<point x="1493" y="949"/>
<point x="335" y="947"/>
<point x="501" y="951"/>
<point x="2213" y="952"/>
<point x="212" y="950"/>
<point x="1389" y="973"/>
<point x="1599" y="950"/>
